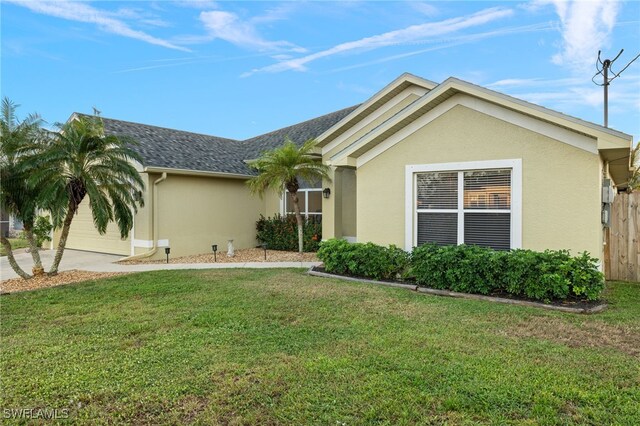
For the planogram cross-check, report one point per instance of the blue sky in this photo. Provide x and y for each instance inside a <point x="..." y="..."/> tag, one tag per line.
<point x="239" y="69"/>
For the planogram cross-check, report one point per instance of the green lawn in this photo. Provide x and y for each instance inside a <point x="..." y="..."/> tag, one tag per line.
<point x="16" y="243"/>
<point x="280" y="347"/>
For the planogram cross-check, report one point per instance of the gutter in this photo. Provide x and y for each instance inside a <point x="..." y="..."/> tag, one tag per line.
<point x="187" y="172"/>
<point x="154" y="220"/>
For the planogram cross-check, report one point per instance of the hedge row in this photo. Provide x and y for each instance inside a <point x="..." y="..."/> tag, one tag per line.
<point x="548" y="275"/>
<point x="281" y="233"/>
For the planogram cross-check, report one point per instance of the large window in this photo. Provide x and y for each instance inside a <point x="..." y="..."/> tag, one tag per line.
<point x="309" y="200"/>
<point x="461" y="206"/>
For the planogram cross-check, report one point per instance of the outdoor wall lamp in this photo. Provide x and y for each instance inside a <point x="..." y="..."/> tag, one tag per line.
<point x="326" y="192"/>
<point x="214" y="247"/>
<point x="167" y="250"/>
<point x="264" y="247"/>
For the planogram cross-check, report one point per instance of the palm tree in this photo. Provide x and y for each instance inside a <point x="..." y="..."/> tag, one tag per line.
<point x="283" y="166"/>
<point x="18" y="198"/>
<point x="82" y="161"/>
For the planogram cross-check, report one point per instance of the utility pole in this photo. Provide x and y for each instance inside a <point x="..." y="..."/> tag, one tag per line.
<point x="603" y="68"/>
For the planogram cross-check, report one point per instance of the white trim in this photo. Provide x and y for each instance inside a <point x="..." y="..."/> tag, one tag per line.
<point x="350" y="239"/>
<point x="414" y="90"/>
<point x="516" y="194"/>
<point x="519" y="119"/>
<point x="163" y="243"/>
<point x="141" y="243"/>
<point x="306" y="213"/>
<point x="403" y="78"/>
<point x="196" y="173"/>
<point x="460" y="210"/>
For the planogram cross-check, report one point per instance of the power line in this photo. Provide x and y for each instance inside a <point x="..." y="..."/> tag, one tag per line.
<point x="603" y="68"/>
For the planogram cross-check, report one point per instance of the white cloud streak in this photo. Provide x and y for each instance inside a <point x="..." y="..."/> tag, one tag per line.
<point x="229" y="27"/>
<point x="413" y="34"/>
<point x="586" y="27"/>
<point x="81" y="12"/>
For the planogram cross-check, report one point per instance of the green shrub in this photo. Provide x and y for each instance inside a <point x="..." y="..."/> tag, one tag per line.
<point x="548" y="275"/>
<point x="363" y="259"/>
<point x="41" y="230"/>
<point x="467" y="269"/>
<point x="281" y="233"/>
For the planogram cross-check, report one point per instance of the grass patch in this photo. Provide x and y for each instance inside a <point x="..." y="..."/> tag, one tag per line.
<point x="16" y="243"/>
<point x="278" y="346"/>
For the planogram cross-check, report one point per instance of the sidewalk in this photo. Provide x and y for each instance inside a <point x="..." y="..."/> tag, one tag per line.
<point x="98" y="262"/>
<point x="114" y="267"/>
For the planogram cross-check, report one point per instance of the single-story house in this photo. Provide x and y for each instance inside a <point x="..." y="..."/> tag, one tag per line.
<point x="417" y="162"/>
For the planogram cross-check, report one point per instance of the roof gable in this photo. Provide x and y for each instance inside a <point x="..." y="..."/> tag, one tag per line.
<point x="375" y="102"/>
<point x="606" y="141"/>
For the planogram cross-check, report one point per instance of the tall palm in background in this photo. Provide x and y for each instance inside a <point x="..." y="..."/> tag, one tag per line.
<point x="283" y="166"/>
<point x="81" y="161"/>
<point x="17" y="197"/>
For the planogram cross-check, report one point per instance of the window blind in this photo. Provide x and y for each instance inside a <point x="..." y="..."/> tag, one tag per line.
<point x="483" y="208"/>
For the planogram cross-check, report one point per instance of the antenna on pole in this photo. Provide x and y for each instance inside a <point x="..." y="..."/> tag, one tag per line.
<point x="96" y="111"/>
<point x="603" y="68"/>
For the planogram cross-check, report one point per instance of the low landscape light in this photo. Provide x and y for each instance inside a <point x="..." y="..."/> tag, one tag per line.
<point x="264" y="247"/>
<point x="214" y="247"/>
<point x="167" y="250"/>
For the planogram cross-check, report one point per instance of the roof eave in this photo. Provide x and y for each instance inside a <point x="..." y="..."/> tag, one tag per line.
<point x="201" y="173"/>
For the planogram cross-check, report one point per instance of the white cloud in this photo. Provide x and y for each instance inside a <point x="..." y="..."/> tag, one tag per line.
<point x="586" y="27"/>
<point x="426" y="9"/>
<point x="410" y="35"/>
<point x="81" y="12"/>
<point x="229" y="27"/>
<point x="197" y="4"/>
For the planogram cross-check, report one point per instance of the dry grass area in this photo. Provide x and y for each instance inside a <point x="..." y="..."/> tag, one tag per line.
<point x="241" y="256"/>
<point x="18" y="284"/>
<point x="590" y="334"/>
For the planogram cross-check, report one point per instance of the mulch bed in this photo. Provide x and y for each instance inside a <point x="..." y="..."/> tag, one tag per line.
<point x="240" y="256"/>
<point x="44" y="281"/>
<point x="571" y="304"/>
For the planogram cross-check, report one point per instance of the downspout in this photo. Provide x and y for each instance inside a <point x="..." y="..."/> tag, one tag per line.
<point x="154" y="221"/>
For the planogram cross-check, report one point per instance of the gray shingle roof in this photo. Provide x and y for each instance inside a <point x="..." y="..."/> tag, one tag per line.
<point x="176" y="149"/>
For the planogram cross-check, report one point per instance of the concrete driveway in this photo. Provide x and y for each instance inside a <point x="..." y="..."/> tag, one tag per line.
<point x="99" y="262"/>
<point x="72" y="259"/>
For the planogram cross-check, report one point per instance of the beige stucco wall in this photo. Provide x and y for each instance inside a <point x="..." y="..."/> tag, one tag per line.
<point x="195" y="212"/>
<point x="349" y="203"/>
<point x="561" y="183"/>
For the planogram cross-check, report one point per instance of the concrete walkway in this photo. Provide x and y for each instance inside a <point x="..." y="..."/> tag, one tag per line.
<point x="98" y="262"/>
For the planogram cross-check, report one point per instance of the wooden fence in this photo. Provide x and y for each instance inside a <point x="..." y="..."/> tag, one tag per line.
<point x="622" y="255"/>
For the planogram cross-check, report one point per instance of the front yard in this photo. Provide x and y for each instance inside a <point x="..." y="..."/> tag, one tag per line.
<point x="16" y="243"/>
<point x="278" y="346"/>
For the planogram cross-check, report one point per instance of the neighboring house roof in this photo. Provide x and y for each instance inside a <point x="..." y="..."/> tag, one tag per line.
<point x="165" y="148"/>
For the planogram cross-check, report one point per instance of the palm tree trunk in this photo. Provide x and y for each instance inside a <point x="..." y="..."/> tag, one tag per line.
<point x="66" y="226"/>
<point x="35" y="251"/>
<point x="12" y="261"/>
<point x="296" y="209"/>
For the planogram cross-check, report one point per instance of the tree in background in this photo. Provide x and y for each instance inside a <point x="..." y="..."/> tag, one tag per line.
<point x="282" y="167"/>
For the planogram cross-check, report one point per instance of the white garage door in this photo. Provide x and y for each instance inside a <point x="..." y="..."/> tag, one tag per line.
<point x="84" y="236"/>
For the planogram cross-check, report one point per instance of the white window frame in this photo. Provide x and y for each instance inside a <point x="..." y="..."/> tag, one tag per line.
<point x="411" y="212"/>
<point x="306" y="213"/>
